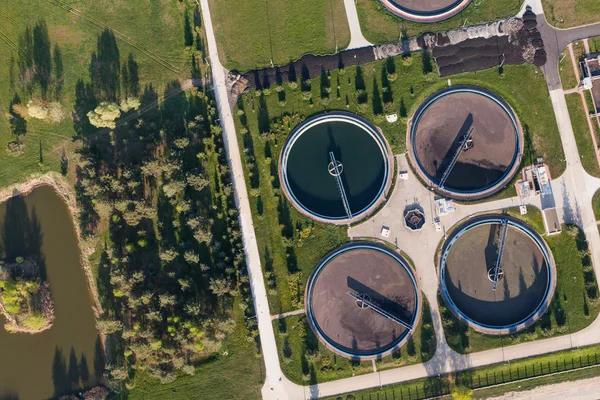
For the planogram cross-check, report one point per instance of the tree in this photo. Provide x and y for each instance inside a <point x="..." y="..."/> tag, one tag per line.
<point x="219" y="287"/>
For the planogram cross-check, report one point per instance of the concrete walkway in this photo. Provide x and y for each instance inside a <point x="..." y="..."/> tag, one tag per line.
<point x="288" y="314"/>
<point x="273" y="387"/>
<point x="357" y="40"/>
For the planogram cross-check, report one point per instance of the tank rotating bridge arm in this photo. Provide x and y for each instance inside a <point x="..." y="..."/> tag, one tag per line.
<point x="366" y="303"/>
<point x="335" y="169"/>
<point x="464" y="143"/>
<point x="497" y="269"/>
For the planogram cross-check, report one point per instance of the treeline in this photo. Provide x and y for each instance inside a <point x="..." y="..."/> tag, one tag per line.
<point x="173" y="263"/>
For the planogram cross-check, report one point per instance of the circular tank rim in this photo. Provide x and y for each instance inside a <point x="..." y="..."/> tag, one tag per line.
<point x="339" y="116"/>
<point x="425" y="16"/>
<point x="483" y="191"/>
<point x="400" y="341"/>
<point x="540" y="309"/>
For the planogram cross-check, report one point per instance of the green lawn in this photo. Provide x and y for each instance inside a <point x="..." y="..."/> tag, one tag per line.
<point x="574" y="307"/>
<point x="560" y="361"/>
<point x="583" y="137"/>
<point x="380" y="26"/>
<point x="252" y="34"/>
<point x="305" y="360"/>
<point x="569" y="13"/>
<point x="140" y="34"/>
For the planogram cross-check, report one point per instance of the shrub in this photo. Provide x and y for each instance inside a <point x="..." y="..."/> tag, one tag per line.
<point x="104" y="115"/>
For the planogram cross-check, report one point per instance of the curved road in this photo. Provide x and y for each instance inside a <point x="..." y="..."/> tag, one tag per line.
<point x="577" y="189"/>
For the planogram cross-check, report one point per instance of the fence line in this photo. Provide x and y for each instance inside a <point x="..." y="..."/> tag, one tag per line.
<point x="435" y="387"/>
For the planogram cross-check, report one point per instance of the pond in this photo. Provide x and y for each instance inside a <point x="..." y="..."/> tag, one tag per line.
<point x="69" y="355"/>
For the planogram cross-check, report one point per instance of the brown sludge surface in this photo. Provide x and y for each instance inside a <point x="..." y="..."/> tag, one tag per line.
<point x="519" y="292"/>
<point x="493" y="138"/>
<point x="362" y="271"/>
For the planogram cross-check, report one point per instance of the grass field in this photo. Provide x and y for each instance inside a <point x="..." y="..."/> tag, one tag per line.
<point x="570" y="13"/>
<point x="429" y="386"/>
<point x="305" y="360"/>
<point x="154" y="46"/>
<point x="583" y="137"/>
<point x="573" y="307"/>
<point x="252" y="34"/>
<point x="380" y="26"/>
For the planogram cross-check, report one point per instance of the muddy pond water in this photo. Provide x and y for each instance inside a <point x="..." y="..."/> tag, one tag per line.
<point x="69" y="355"/>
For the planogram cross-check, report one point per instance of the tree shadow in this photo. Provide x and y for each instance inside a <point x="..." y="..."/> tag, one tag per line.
<point x="105" y="67"/>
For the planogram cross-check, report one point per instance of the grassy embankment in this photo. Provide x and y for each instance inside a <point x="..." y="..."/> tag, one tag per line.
<point x="380" y="26"/>
<point x="254" y="34"/>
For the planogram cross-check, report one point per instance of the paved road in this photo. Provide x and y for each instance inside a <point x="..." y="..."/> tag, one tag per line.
<point x="357" y="40"/>
<point x="273" y="387"/>
<point x="575" y="186"/>
<point x="555" y="41"/>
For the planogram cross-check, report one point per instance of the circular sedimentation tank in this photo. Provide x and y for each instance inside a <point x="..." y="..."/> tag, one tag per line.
<point x="497" y="274"/>
<point x="425" y="10"/>
<point x="465" y="142"/>
<point x="345" y="289"/>
<point x="314" y="183"/>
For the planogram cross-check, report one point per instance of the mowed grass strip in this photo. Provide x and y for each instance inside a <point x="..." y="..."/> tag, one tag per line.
<point x="583" y="136"/>
<point x="571" y="13"/>
<point x="381" y="26"/>
<point x="566" y="71"/>
<point x="254" y="34"/>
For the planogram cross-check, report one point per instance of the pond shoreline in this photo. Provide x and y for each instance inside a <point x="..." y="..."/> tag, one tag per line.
<point x="61" y="186"/>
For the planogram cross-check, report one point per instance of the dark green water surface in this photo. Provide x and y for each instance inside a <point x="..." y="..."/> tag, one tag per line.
<point x="69" y="354"/>
<point x="363" y="168"/>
